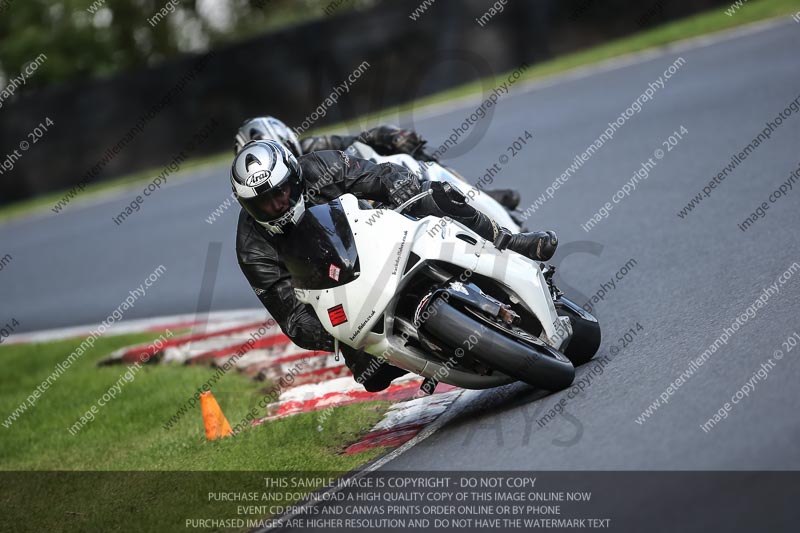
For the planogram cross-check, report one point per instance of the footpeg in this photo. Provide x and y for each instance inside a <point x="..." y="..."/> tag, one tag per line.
<point x="428" y="386"/>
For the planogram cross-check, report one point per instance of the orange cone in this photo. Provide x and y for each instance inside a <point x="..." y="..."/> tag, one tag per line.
<point x="217" y="425"/>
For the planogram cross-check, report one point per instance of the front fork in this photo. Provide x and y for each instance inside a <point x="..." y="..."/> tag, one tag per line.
<point x="562" y="324"/>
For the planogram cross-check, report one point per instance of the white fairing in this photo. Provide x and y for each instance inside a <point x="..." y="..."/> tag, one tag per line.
<point x="384" y="240"/>
<point x="436" y="172"/>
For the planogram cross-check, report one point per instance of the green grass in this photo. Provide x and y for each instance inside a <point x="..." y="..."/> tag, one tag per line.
<point x="173" y="469"/>
<point x="701" y="24"/>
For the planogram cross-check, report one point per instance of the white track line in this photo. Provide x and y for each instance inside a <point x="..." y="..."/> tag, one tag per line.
<point x="617" y="63"/>
<point x="112" y="194"/>
<point x="138" y="325"/>
<point x="607" y="65"/>
<point x="442" y="108"/>
<point x="467" y="397"/>
<point x="462" y="400"/>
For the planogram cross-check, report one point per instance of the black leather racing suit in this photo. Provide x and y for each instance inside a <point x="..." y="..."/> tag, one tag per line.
<point x="391" y="140"/>
<point x="328" y="174"/>
<point x="386" y="140"/>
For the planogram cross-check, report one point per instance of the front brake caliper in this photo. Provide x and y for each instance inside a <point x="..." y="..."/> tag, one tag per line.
<point x="508" y="316"/>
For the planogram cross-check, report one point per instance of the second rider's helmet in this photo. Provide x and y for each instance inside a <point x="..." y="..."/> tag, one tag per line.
<point x="266" y="129"/>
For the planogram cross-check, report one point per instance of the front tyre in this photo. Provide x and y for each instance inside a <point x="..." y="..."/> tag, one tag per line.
<point x="585" y="331"/>
<point x="534" y="363"/>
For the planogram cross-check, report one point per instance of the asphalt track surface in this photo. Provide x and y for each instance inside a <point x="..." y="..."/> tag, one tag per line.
<point x="692" y="277"/>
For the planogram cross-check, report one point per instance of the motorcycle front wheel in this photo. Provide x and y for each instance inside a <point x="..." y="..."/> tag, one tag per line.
<point x="533" y="362"/>
<point x="585" y="331"/>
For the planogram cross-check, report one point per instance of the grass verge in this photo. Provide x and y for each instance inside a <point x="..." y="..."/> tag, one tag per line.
<point x="150" y="476"/>
<point x="701" y="24"/>
<point x="46" y="202"/>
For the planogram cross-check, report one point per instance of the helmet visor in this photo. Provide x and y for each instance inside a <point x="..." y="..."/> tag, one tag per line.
<point x="272" y="205"/>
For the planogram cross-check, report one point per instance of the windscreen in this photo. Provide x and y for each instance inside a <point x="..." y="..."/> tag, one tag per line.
<point x="320" y="252"/>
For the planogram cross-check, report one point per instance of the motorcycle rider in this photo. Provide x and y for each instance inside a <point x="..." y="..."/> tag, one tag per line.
<point x="386" y="140"/>
<point x="274" y="188"/>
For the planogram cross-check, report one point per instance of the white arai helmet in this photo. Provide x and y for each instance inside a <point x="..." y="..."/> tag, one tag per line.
<point x="268" y="182"/>
<point x="267" y="129"/>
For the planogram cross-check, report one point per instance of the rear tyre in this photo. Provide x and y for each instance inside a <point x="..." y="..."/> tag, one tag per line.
<point x="537" y="364"/>
<point x="586" y="335"/>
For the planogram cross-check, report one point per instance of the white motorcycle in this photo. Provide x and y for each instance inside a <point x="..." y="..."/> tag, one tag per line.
<point x="432" y="297"/>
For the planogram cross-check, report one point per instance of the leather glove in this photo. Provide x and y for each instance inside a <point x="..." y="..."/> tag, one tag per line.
<point x="411" y="143"/>
<point x="404" y="189"/>
<point x="407" y="142"/>
<point x="423" y="155"/>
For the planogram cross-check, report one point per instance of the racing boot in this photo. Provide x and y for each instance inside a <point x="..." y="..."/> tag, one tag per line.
<point x="447" y="200"/>
<point x="508" y="198"/>
<point x="536" y="245"/>
<point x="369" y="371"/>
